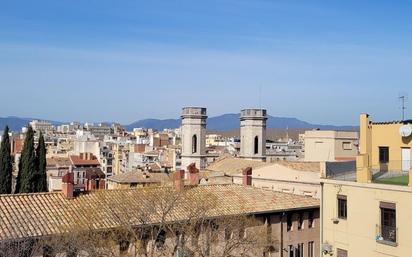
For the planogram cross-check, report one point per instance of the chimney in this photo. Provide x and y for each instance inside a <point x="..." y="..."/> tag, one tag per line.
<point x="193" y="174"/>
<point x="178" y="180"/>
<point x="247" y="176"/>
<point x="67" y="185"/>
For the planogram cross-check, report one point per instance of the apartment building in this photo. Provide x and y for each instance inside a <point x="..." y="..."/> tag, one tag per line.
<point x="368" y="214"/>
<point x="329" y="145"/>
<point x="42" y="126"/>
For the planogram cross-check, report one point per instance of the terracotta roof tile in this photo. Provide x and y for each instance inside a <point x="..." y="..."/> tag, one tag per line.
<point x="231" y="165"/>
<point x="32" y="215"/>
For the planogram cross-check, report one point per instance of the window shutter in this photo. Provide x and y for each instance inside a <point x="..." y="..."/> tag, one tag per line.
<point x="342" y="253"/>
<point x="342" y="197"/>
<point x="386" y="205"/>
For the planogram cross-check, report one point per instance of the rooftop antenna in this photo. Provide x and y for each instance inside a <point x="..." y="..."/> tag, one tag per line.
<point x="260" y="97"/>
<point x="403" y="98"/>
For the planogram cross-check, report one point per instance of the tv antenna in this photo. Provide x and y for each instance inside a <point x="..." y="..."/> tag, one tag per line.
<point x="403" y="98"/>
<point x="260" y="97"/>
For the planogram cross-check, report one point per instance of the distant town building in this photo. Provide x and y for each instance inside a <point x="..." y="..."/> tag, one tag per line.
<point x="328" y="145"/>
<point x="99" y="130"/>
<point x="42" y="126"/>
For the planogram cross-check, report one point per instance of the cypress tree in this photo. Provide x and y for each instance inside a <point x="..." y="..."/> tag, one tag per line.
<point x="41" y="178"/>
<point x="6" y="167"/>
<point x="27" y="179"/>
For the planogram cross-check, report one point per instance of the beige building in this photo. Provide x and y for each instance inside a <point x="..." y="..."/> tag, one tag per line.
<point x="328" y="145"/>
<point x="42" y="126"/>
<point x="369" y="214"/>
<point x="300" y="178"/>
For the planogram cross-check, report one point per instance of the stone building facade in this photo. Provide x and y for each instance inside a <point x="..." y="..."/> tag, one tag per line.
<point x="194" y="136"/>
<point x="253" y="134"/>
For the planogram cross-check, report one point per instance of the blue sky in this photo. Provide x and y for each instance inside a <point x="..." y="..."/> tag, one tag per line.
<point x="320" y="61"/>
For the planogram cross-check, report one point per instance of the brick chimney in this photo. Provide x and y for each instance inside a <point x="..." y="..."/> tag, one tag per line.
<point x="193" y="174"/>
<point x="247" y="176"/>
<point x="178" y="180"/>
<point x="68" y="185"/>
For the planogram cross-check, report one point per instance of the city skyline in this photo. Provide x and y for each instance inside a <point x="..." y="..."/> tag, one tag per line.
<point x="319" y="62"/>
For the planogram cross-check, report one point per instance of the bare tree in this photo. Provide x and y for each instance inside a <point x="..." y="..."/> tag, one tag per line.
<point x="162" y="222"/>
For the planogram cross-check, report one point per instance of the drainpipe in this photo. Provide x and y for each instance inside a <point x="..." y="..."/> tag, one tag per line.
<point x="281" y="234"/>
<point x="321" y="218"/>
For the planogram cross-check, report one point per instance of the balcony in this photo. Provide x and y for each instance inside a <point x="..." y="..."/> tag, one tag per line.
<point x="387" y="235"/>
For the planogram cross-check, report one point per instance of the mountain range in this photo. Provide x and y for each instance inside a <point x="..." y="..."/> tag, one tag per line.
<point x="225" y="122"/>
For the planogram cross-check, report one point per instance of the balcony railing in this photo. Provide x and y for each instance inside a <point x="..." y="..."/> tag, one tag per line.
<point x="387" y="234"/>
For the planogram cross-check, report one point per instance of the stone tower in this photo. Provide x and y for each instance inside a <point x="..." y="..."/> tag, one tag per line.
<point x="253" y="134"/>
<point x="194" y="137"/>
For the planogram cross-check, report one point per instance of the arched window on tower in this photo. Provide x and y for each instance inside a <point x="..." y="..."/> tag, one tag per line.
<point x="256" y="144"/>
<point x="194" y="144"/>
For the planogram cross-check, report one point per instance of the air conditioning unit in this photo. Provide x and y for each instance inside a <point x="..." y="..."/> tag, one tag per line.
<point x="327" y="249"/>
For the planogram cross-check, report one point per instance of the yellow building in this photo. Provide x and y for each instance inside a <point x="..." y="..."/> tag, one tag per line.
<point x="368" y="213"/>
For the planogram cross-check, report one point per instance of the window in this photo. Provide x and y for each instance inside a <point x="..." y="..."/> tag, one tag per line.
<point x="383" y="154"/>
<point x="228" y="234"/>
<point x="194" y="144"/>
<point x="342" y="253"/>
<point x="342" y="207"/>
<point x="388" y="221"/>
<point x="299" y="251"/>
<point x="160" y="239"/>
<point x="289" y="222"/>
<point x="311" y="220"/>
<point x="347" y="146"/>
<point x="242" y="233"/>
<point x="256" y="145"/>
<point x="311" y="249"/>
<point x="300" y="221"/>
<point x="291" y="251"/>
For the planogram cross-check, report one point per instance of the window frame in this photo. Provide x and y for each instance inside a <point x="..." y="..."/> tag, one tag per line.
<point x="384" y="154"/>
<point x="342" y="202"/>
<point x="388" y="221"/>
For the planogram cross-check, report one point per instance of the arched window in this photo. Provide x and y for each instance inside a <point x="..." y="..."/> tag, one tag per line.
<point x="256" y="145"/>
<point x="194" y="144"/>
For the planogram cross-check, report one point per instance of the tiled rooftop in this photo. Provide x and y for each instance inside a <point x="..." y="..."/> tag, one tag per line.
<point x="41" y="214"/>
<point x="140" y="177"/>
<point x="231" y="165"/>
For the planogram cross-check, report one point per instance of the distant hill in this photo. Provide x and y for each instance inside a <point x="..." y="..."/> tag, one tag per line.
<point x="228" y="122"/>
<point x="225" y="122"/>
<point x="16" y="123"/>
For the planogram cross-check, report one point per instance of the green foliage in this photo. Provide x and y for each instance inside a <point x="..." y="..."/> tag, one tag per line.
<point x="6" y="167"/>
<point x="400" y="181"/>
<point x="41" y="177"/>
<point x="28" y="171"/>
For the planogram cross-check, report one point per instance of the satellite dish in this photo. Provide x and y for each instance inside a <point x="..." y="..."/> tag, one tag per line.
<point x="405" y="131"/>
